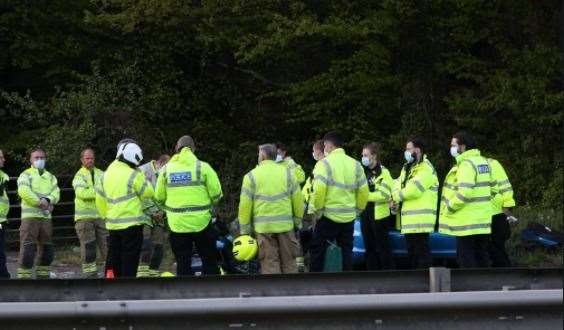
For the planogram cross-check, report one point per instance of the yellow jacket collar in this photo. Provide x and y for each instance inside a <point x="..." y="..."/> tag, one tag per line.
<point x="185" y="155"/>
<point x="467" y="154"/>
<point x="337" y="151"/>
<point x="267" y="161"/>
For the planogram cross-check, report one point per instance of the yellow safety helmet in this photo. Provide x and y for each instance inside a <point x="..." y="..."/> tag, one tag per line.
<point x="245" y="248"/>
<point x="167" y="274"/>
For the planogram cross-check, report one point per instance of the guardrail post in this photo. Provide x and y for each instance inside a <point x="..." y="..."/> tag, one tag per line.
<point x="439" y="279"/>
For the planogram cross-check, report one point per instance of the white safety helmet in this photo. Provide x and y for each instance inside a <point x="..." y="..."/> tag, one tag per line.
<point x="121" y="143"/>
<point x="131" y="152"/>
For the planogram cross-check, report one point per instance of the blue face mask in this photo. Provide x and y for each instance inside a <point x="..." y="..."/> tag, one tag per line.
<point x="279" y="158"/>
<point x="39" y="164"/>
<point x="408" y="156"/>
<point x="454" y="151"/>
<point x="365" y="161"/>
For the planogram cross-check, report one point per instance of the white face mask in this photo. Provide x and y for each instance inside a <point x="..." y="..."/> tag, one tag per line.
<point x="279" y="158"/>
<point x="365" y="161"/>
<point x="39" y="164"/>
<point x="454" y="151"/>
<point x="408" y="156"/>
<point x="314" y="157"/>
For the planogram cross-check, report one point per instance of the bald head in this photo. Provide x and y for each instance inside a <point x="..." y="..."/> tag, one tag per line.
<point x="185" y="141"/>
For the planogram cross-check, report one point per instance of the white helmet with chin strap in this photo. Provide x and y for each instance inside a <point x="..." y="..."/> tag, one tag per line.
<point x="121" y="143"/>
<point x="130" y="152"/>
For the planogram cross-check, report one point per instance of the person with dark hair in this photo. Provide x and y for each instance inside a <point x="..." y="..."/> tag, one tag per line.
<point x="307" y="193"/>
<point x="340" y="194"/>
<point x="39" y="192"/>
<point x="415" y="197"/>
<point x="317" y="154"/>
<point x="152" y="251"/>
<point x="333" y="140"/>
<point x="284" y="158"/>
<point x="376" y="216"/>
<point x="466" y="202"/>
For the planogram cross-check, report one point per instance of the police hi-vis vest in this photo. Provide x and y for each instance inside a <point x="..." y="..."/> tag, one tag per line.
<point x="120" y="197"/>
<point x="270" y="201"/>
<point x="504" y="191"/>
<point x="295" y="168"/>
<point x="418" y="195"/>
<point x="340" y="189"/>
<point x="382" y="194"/>
<point x="32" y="186"/>
<point x="187" y="188"/>
<point x="466" y="202"/>
<point x="84" y="184"/>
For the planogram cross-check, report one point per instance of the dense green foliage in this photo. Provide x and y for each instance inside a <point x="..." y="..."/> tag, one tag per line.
<point x="241" y="72"/>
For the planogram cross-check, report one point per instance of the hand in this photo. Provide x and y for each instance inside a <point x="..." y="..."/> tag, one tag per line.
<point x="393" y="205"/>
<point x="157" y="217"/>
<point x="43" y="204"/>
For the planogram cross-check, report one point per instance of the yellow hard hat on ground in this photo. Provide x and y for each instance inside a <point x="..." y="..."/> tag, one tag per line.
<point x="245" y="248"/>
<point x="167" y="274"/>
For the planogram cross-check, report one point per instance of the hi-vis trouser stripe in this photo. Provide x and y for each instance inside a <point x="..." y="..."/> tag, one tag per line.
<point x="24" y="273"/>
<point x="42" y="271"/>
<point x="143" y="270"/>
<point x="89" y="270"/>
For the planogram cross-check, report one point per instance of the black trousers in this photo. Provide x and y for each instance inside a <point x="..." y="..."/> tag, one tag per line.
<point x="3" y="270"/>
<point x="472" y="251"/>
<point x="375" y="236"/>
<point x="182" y="245"/>
<point x="124" y="249"/>
<point x="418" y="251"/>
<point x="501" y="232"/>
<point x="328" y="230"/>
